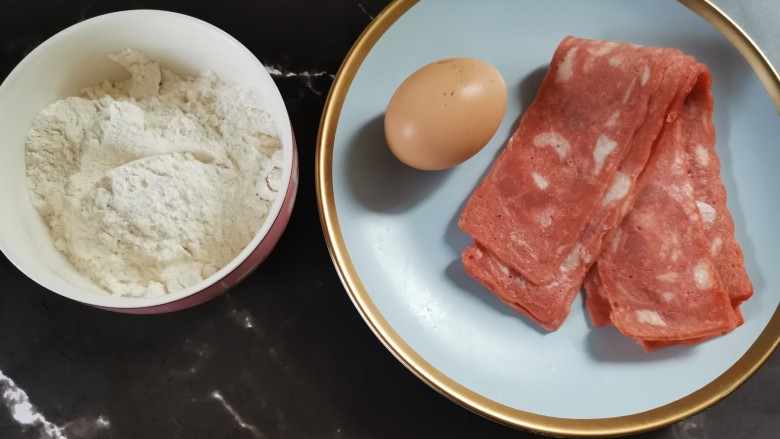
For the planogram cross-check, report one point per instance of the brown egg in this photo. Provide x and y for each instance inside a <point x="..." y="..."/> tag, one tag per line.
<point x="445" y="112"/>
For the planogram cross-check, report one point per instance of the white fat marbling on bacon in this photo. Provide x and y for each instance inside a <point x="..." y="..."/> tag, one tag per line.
<point x="604" y="147"/>
<point x="717" y="243"/>
<point x="586" y="256"/>
<point x="619" y="189"/>
<point x="645" y="219"/>
<point x="702" y="276"/>
<point x="645" y="75"/>
<point x="540" y="181"/>
<point x="629" y="90"/>
<point x="613" y="118"/>
<point x="615" y="61"/>
<point x="545" y="218"/>
<point x="597" y="52"/>
<point x="670" y="247"/>
<point x="682" y="193"/>
<point x="649" y="317"/>
<point x="603" y="49"/>
<point x="677" y="165"/>
<point x="553" y="140"/>
<point x="668" y="296"/>
<point x="566" y="66"/>
<point x="574" y="259"/>
<point x="557" y="282"/>
<point x="517" y="239"/>
<point x="669" y="276"/>
<point x="707" y="213"/>
<point x="702" y="156"/>
<point x="625" y="207"/>
<point x="616" y="235"/>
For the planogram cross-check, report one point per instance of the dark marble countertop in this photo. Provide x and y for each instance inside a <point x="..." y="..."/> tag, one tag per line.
<point x="284" y="354"/>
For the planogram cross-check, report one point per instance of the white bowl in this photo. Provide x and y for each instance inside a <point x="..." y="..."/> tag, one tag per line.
<point x="77" y="57"/>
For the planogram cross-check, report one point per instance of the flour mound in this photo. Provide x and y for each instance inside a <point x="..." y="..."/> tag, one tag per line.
<point x="151" y="184"/>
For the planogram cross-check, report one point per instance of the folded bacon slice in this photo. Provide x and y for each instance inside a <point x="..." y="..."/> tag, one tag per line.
<point x="656" y="270"/>
<point x="570" y="172"/>
<point x="692" y="249"/>
<point x="598" y="101"/>
<point x="548" y="303"/>
<point x="710" y="194"/>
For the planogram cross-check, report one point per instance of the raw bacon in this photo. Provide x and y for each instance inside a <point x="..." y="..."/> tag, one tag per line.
<point x="697" y="168"/>
<point x="597" y="101"/>
<point x="548" y="303"/>
<point x="656" y="270"/>
<point x="587" y="147"/>
<point x="710" y="194"/>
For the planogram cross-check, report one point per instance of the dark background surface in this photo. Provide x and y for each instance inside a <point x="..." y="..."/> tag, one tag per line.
<point x="284" y="354"/>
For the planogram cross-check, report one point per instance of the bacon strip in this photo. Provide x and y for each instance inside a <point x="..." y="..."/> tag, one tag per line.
<point x="656" y="270"/>
<point x="561" y="164"/>
<point x="710" y="194"/>
<point x="572" y="171"/>
<point x="710" y="236"/>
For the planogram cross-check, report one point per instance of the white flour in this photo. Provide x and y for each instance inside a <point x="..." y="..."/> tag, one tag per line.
<point x="152" y="184"/>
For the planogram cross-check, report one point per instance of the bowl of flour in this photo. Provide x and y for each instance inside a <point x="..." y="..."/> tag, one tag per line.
<point x="148" y="162"/>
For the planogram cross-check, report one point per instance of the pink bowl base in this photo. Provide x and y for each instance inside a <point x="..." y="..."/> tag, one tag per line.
<point x="245" y="268"/>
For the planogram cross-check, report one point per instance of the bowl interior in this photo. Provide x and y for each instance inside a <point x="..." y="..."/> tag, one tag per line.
<point x="77" y="57"/>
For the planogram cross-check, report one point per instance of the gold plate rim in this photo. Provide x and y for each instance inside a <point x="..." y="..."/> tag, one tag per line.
<point x="658" y="417"/>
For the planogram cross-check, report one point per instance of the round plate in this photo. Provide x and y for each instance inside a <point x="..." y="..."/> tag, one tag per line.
<point x="393" y="232"/>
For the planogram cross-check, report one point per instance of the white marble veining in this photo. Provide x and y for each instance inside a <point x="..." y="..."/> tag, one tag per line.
<point x="23" y="412"/>
<point x="86" y="427"/>
<point x="239" y="421"/>
<point x="363" y="8"/>
<point x="243" y="318"/>
<point x="84" y="14"/>
<point x="691" y="428"/>
<point x="306" y="76"/>
<point x="28" y="417"/>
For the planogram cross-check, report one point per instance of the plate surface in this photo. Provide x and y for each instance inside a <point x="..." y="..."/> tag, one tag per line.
<point x="394" y="238"/>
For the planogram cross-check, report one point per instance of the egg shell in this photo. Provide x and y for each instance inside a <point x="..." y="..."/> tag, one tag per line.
<point x="445" y="112"/>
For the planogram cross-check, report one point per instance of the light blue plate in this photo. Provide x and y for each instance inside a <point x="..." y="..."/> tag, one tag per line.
<point x="394" y="236"/>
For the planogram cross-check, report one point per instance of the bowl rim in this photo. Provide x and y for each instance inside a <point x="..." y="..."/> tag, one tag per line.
<point x="109" y="300"/>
